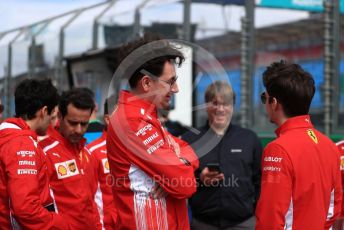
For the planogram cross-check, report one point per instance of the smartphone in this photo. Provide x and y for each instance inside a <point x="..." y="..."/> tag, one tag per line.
<point x="214" y="167"/>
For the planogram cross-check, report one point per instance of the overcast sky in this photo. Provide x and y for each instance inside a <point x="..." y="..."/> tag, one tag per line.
<point x="17" y="13"/>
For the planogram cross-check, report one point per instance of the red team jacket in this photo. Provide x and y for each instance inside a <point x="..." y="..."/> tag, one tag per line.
<point x="300" y="176"/>
<point x="72" y="181"/>
<point x="340" y="146"/>
<point x="141" y="157"/>
<point x="24" y="188"/>
<point x="104" y="197"/>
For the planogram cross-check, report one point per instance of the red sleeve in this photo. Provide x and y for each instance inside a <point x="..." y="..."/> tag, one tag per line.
<point x="341" y="152"/>
<point x="336" y="201"/>
<point x="21" y="163"/>
<point x="187" y="152"/>
<point x="94" y="179"/>
<point x="93" y="164"/>
<point x="276" y="189"/>
<point x="148" y="148"/>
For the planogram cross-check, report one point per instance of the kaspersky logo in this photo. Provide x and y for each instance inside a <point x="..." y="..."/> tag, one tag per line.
<point x="312" y="135"/>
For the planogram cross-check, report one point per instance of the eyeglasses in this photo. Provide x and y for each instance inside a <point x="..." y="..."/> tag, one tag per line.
<point x="216" y="104"/>
<point x="2" y="107"/>
<point x="263" y="97"/>
<point x="170" y="82"/>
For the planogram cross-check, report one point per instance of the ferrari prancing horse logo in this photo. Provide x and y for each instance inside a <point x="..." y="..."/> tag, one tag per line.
<point x="312" y="135"/>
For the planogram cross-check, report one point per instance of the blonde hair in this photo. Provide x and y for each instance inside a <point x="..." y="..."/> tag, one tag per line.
<point x="220" y="88"/>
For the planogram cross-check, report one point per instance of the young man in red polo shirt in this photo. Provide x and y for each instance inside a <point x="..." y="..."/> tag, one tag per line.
<point x="300" y="169"/>
<point x="25" y="202"/>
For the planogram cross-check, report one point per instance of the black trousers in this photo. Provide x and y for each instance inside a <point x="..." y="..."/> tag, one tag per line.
<point x="248" y="224"/>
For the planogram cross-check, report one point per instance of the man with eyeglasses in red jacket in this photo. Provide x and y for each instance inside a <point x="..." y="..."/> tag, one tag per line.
<point x="153" y="171"/>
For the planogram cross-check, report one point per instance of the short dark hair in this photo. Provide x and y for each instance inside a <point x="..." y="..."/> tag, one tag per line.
<point x="292" y="86"/>
<point x="158" y="52"/>
<point x="31" y="95"/>
<point x="79" y="98"/>
<point x="89" y="91"/>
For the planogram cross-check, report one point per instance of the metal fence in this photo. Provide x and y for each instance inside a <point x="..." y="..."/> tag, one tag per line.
<point x="40" y="50"/>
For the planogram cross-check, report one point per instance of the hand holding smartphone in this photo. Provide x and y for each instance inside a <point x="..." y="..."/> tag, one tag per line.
<point x="214" y="167"/>
<point x="211" y="174"/>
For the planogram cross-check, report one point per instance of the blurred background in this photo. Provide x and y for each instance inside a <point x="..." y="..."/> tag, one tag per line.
<point x="75" y="43"/>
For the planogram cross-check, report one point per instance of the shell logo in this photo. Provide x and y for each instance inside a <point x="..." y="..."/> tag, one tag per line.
<point x="106" y="165"/>
<point x="62" y="170"/>
<point x="342" y="163"/>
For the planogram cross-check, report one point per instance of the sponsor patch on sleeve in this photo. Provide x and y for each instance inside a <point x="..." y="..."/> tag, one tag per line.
<point x="275" y="164"/>
<point x="106" y="165"/>
<point x="272" y="163"/>
<point x="66" y="169"/>
<point x="155" y="146"/>
<point x="25" y="162"/>
<point x="151" y="138"/>
<point x="27" y="172"/>
<point x="342" y="163"/>
<point x="143" y="131"/>
<point x="25" y="153"/>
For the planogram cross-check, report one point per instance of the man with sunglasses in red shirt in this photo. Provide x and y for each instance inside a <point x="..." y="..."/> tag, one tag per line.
<point x="301" y="183"/>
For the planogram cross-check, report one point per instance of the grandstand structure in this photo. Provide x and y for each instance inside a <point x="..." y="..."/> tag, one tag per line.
<point x="301" y="41"/>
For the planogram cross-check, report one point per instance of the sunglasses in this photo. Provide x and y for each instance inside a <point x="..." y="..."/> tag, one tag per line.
<point x="2" y="107"/>
<point x="263" y="97"/>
